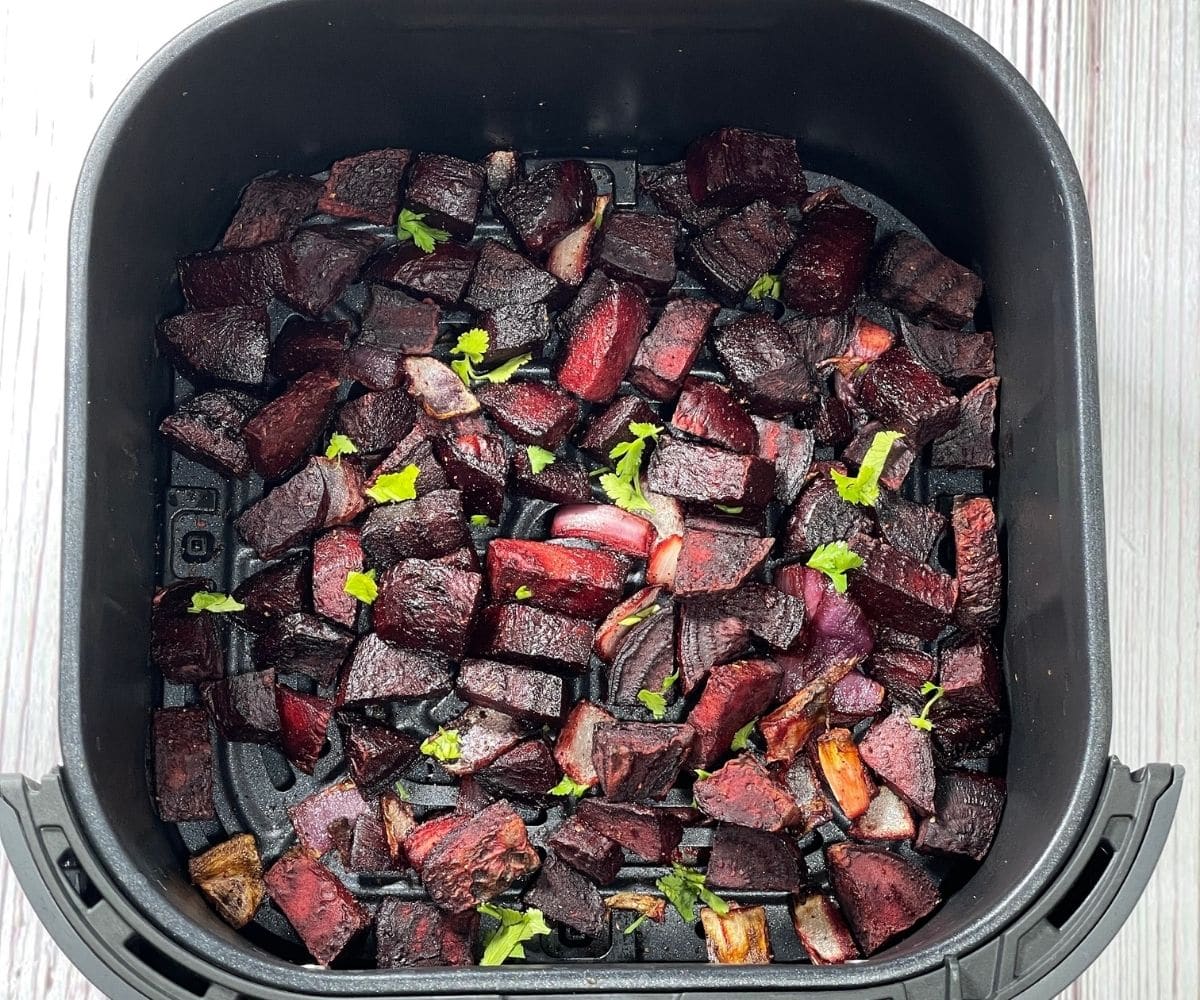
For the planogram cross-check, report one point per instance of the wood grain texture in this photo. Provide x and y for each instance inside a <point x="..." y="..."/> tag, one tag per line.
<point x="1123" y="79"/>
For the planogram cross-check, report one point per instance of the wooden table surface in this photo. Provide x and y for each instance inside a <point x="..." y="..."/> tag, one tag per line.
<point x="1123" y="79"/>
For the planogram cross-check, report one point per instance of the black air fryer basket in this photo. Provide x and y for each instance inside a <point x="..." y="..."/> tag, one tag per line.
<point x="884" y="94"/>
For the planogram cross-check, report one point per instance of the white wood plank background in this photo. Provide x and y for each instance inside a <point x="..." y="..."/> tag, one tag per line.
<point x="1123" y="78"/>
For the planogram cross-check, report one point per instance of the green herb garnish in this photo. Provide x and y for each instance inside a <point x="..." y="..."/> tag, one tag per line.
<point x="834" y="559"/>
<point x="208" y="600"/>
<point x="539" y="458"/>
<point x="656" y="701"/>
<point x="394" y="487"/>
<point x="515" y="928"/>
<point x="481" y="521"/>
<point x="728" y="510"/>
<point x="639" y="616"/>
<point x="361" y="586"/>
<point x="340" y="445"/>
<point x="442" y="745"/>
<point x="636" y="924"/>
<point x="569" y="787"/>
<point x="523" y="593"/>
<point x="410" y="226"/>
<point x="922" y="721"/>
<point x="766" y="287"/>
<point x="684" y="888"/>
<point x="701" y="774"/>
<point x="470" y="348"/>
<point x="741" y="739"/>
<point x="402" y="793"/>
<point x="863" y="489"/>
<point x="622" y="484"/>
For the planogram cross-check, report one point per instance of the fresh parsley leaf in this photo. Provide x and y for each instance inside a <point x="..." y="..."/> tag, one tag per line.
<point x="411" y="227"/>
<point x="502" y="373"/>
<point x="340" y="445"/>
<point x="470" y="349"/>
<point x="208" y="600"/>
<point x="656" y="700"/>
<point x="636" y="924"/>
<point x="642" y="430"/>
<point x="863" y="489"/>
<point x="442" y="745"/>
<point x="462" y="367"/>
<point x="481" y="521"/>
<point x="767" y="286"/>
<point x="701" y="774"/>
<point x="922" y="721"/>
<point x="515" y="928"/>
<point x="622" y="485"/>
<point x="472" y="345"/>
<point x="626" y="495"/>
<point x="639" y="616"/>
<point x="539" y="458"/>
<point x="523" y="593"/>
<point x="834" y="559"/>
<point x="402" y="793"/>
<point x="361" y="586"/>
<point x="393" y="487"/>
<point x="741" y="739"/>
<point x="728" y="510"/>
<point x="684" y="888"/>
<point x="569" y="787"/>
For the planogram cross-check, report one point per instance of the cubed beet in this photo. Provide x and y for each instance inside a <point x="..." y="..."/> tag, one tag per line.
<point x="243" y="707"/>
<point x="308" y="345"/>
<point x="669" y="350"/>
<point x="448" y="191"/>
<point x="376" y="754"/>
<point x="229" y="344"/>
<point x="323" y="911"/>
<point x="744" y="858"/>
<point x="834" y="423"/>
<point x="531" y="412"/>
<point x="303" y="720"/>
<point x="286" y="429"/>
<point x="343" y="489"/>
<point x="744" y="792"/>
<point x="651" y="833"/>
<point x="208" y="429"/>
<point x="901" y="755"/>
<point x="187" y="648"/>
<point x="287" y="515"/>
<point x="573" y="748"/>
<point x="977" y="565"/>
<point x="913" y="528"/>
<point x="543" y="206"/>
<point x="854" y="698"/>
<point x="415" y="448"/>
<point x="575" y="581"/>
<point x="424" y="605"/>
<point x="709" y="411"/>
<point x="534" y="695"/>
<point x="603" y="343"/>
<point x="967" y="810"/>
<point x="804" y="785"/>
<point x="969" y="444"/>
<point x="417" y="935"/>
<point x="951" y="354"/>
<point x="527" y="771"/>
<point x="827" y="264"/>
<point x="429" y="526"/>
<point x="525" y="634"/>
<point x="477" y="464"/>
<point x="639" y="248"/>
<point x="318" y="817"/>
<point x="704" y="474"/>
<point x="639" y="760"/>
<point x="733" y="166"/>
<point x="881" y="893"/>
<point x="442" y="275"/>
<point x="588" y="851"/>
<point x="381" y="672"/>
<point x="970" y="675"/>
<point x="739" y="249"/>
<point x="902" y="672"/>
<point x="899" y="461"/>
<point x="504" y="278"/>
<point x="377" y="420"/>
<point x="668" y="187"/>
<point x="513" y="330"/>
<point x="820" y="516"/>
<point x="183" y="768"/>
<point x="318" y="264"/>
<point x="304" y="644"/>
<point x="610" y="426"/>
<point x="910" y="274"/>
<point x="896" y="590"/>
<point x="366" y="186"/>
<point x="643" y="660"/>
<point x="484" y="734"/>
<point x="718" y="561"/>
<point x="736" y="693"/>
<point x="336" y="554"/>
<point x="439" y="390"/>
<point x="278" y="590"/>
<point x="562" y="482"/>
<point x="709" y="633"/>
<point x="766" y="368"/>
<point x="393" y="326"/>
<point x="224" y="278"/>
<point x="907" y="396"/>
<point x="270" y="210"/>
<point x="790" y="449"/>
<point x="565" y="896"/>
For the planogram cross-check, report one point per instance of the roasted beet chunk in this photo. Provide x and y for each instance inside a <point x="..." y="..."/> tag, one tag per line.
<point x="827" y="264"/>
<point x="639" y="248"/>
<point x="574" y="581"/>
<point x="651" y="833"/>
<point x="567" y="897"/>
<point x="272" y="593"/>
<point x="669" y="350"/>
<point x="415" y="448"/>
<point x="739" y="249"/>
<point x="967" y="810"/>
<point x="911" y="275"/>
<point x="902" y="672"/>
<point x="208" y="429"/>
<point x="377" y="420"/>
<point x="228" y="344"/>
<point x="766" y="367"/>
<point x="303" y="720"/>
<point x="226" y="278"/>
<point x="366" y="186"/>
<point x="790" y="449"/>
<point x="320" y="818"/>
<point x="416" y="935"/>
<point x="531" y="412"/>
<point x="304" y="644"/>
<point x="376" y="754"/>
<point x="183" y="780"/>
<point x="977" y="563"/>
<point x="440" y="391"/>
<point x="483" y="735"/>
<point x="336" y="554"/>
<point x="573" y="748"/>
<point x="514" y="330"/>
<point x="504" y="278"/>
<point x="901" y="755"/>
<point x="703" y="474"/>
<point x="528" y="694"/>
<point x="908" y="397"/>
<point x="668" y="186"/>
<point x="639" y="760"/>
<point x="546" y="204"/>
<point x="951" y="354"/>
<point x="897" y="591"/>
<point x="425" y="605"/>
<point x="804" y="786"/>
<point x="477" y="464"/>
<point x="854" y="698"/>
<point x="343" y="489"/>
<point x="820" y="516"/>
<point x="899" y="461"/>
<point x="271" y="209"/>
<point x="910" y="527"/>
<point x="716" y="561"/>
<point x="287" y="515"/>
<point x="318" y="264"/>
<point x="306" y="345"/>
<point x="732" y="166"/>
<point x="424" y="528"/>
<point x="186" y="647"/>
<point x="284" y="430"/>
<point x="881" y="894"/>
<point x="969" y="443"/>
<point x="970" y="675"/>
<point x="611" y="426"/>
<point x="525" y="634"/>
<point x="478" y="861"/>
<point x="709" y="633"/>
<point x="735" y="694"/>
<point x="743" y="858"/>
<point x="441" y="275"/>
<point x="380" y="672"/>
<point x="447" y="191"/>
<point x="323" y="911"/>
<point x="392" y="326"/>
<point x="644" y="659"/>
<point x="562" y="482"/>
<point x="602" y="344"/>
<point x="708" y="410"/>
<point x="746" y="793"/>
<point x="592" y="853"/>
<point x="243" y="707"/>
<point x="527" y="771"/>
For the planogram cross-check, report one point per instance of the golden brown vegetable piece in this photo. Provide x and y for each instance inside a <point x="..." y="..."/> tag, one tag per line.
<point x="737" y="938"/>
<point x="231" y="877"/>
<point x="653" y="907"/>
<point x="844" y="772"/>
<point x="821" y="929"/>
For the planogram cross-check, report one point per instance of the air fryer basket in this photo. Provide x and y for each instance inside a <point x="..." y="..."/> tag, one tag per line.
<point x="890" y="96"/>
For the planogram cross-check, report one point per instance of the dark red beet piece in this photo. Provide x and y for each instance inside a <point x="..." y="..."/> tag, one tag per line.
<point x="971" y="677"/>
<point x="804" y="786"/>
<point x="477" y="464"/>
<point x="913" y="528"/>
<point x="833" y="425"/>
<point x="969" y="444"/>
<point x="584" y="849"/>
<point x="790" y="449"/>
<point x="424" y="528"/>
<point x="533" y="695"/>
<point x="380" y="672"/>
<point x="910" y="274"/>
<point x="415" y="448"/>
<point x="542" y="207"/>
<point x="709" y="633"/>
<point x="424" y="605"/>
<point x="899" y="461"/>
<point x="478" y="861"/>
<point x="708" y="410"/>
<point x="439" y="390"/>
<point x="951" y="354"/>
<point x="228" y="344"/>
<point x="669" y="350"/>
<point x="565" y="896"/>
<point x="418" y="935"/>
<point x="273" y="592"/>
<point x="563" y="482"/>
<point x="270" y="210"/>
<point x="504" y="278"/>
<point x="575" y="581"/>
<point x="393" y="326"/>
<point x="186" y="647"/>
<point x="514" y="330"/>
<point x="208" y="429"/>
<point x="323" y="911"/>
<point x="735" y="694"/>
<point x="771" y="615"/>
<point x="611" y="426"/>
<point x="668" y="186"/>
<point x="765" y="367"/>
<point x="733" y="166"/>
<point x="639" y="760"/>
<point x="906" y="396"/>
<point x="829" y="259"/>
<point x="743" y="858"/>
<point x="306" y="345"/>
<point x="483" y="735"/>
<point x="303" y="720"/>
<point x="336" y="554"/>
<point x="447" y="191"/>
<point x="897" y="591"/>
<point x="531" y="412"/>
<point x="527" y="771"/>
<point x="822" y="931"/>
<point x="571" y="256"/>
<point x="287" y="515"/>
<point x="643" y="660"/>
<point x="746" y="793"/>
<point x="704" y="474"/>
<point x="377" y="420"/>
<point x="901" y="755"/>
<point x="977" y="563"/>
<point x="318" y="817"/>
<point x="573" y="748"/>
<point x="882" y="894"/>
<point x="368" y="847"/>
<point x="243" y="707"/>
<point x="819" y="516"/>
<point x="854" y="698"/>
<point x="735" y="252"/>
<point x="304" y="644"/>
<point x="639" y="248"/>
<point x="902" y="672"/>
<point x="223" y="278"/>
<point x="376" y="754"/>
<point x="442" y="275"/>
<point x="366" y="186"/>
<point x="288" y="427"/>
<point x="343" y="489"/>
<point x="717" y="561"/>
<point x="525" y="634"/>
<point x="602" y="344"/>
<point x="319" y="264"/>
<point x="967" y="810"/>
<point x="653" y="834"/>
<point x="183" y="780"/>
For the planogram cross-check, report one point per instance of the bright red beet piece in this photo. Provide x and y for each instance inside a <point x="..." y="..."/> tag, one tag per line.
<point x="183" y="780"/>
<point x="902" y="756"/>
<point x="303" y="720"/>
<point x="602" y="344"/>
<point x="653" y="834"/>
<point x="718" y="561"/>
<point x="735" y="694"/>
<point x="531" y="412"/>
<point x="882" y="895"/>
<point x="574" y="581"/>
<point x="323" y="911"/>
<point x="708" y="410"/>
<point x="746" y="793"/>
<point x="977" y="563"/>
<point x="522" y="633"/>
<point x="667" y="353"/>
<point x="270" y="210"/>
<point x="336" y="554"/>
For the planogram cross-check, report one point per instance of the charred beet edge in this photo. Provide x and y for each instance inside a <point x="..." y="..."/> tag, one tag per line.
<point x="766" y="368"/>
<point x="908" y="397"/>
<point x="913" y="276"/>
<point x="271" y="593"/>
<point x="285" y="430"/>
<point x="513" y="330"/>
<point x="611" y="426"/>
<point x="563" y="482"/>
<point x="227" y="278"/>
<point x="366" y="186"/>
<point x="303" y="644"/>
<point x="533" y="695"/>
<point x="228" y="344"/>
<point x="288" y="515"/>
<point x="484" y="735"/>
<point x="377" y="420"/>
<point x="820" y="516"/>
<point x="639" y="248"/>
<point x="183" y="778"/>
<point x="271" y="209"/>
<point x="477" y="464"/>
<point x="592" y="853"/>
<point x="969" y="443"/>
<point x="526" y="634"/>
<point x="717" y="561"/>
<point x="704" y="474"/>
<point x="392" y="326"/>
<point x="319" y="264"/>
<point x="243" y="707"/>
<point x="790" y="450"/>
<point x="550" y="201"/>
<point x="208" y="429"/>
<point x="424" y="528"/>
<point x="306" y="345"/>
<point x="899" y="461"/>
<point x="653" y="834"/>
<point x="643" y="660"/>
<point x="668" y="186"/>
<point x="187" y="648"/>
<point x="447" y="191"/>
<point x="827" y="264"/>
<point x="566" y="896"/>
<point x="527" y="771"/>
<point x="424" y="605"/>
<point x="376" y="754"/>
<point x="418" y="935"/>
<point x="709" y="633"/>
<point x="966" y="814"/>
<point x="733" y="166"/>
<point x="639" y="760"/>
<point x="910" y="527"/>
<point x="736" y="251"/>
<point x="898" y="591"/>
<point x="442" y="275"/>
<point x="951" y="354"/>
<point x="504" y="278"/>
<point x="380" y="672"/>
